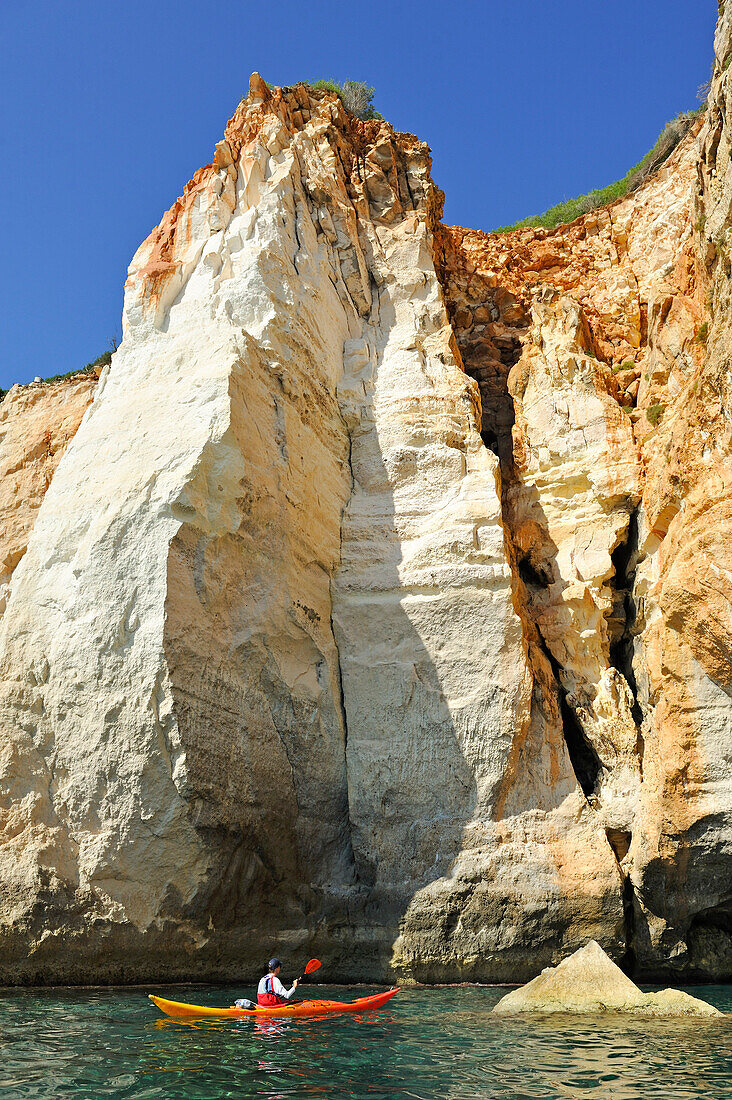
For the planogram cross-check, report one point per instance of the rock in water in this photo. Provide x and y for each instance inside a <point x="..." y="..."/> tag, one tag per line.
<point x="589" y="981"/>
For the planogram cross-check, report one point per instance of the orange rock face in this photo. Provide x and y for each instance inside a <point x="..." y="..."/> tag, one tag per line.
<point x="600" y="351"/>
<point x="36" y="424"/>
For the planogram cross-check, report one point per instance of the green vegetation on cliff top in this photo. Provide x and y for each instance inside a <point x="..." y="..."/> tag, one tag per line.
<point x="101" y="361"/>
<point x="356" y="96"/>
<point x="570" y="209"/>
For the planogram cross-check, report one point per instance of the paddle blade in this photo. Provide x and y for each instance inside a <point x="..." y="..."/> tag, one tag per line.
<point x="314" y="964"/>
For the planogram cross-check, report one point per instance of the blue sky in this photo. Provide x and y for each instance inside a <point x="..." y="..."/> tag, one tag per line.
<point x="110" y="106"/>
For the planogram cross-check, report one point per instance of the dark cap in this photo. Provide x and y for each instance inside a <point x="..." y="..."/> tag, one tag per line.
<point x="273" y="964"/>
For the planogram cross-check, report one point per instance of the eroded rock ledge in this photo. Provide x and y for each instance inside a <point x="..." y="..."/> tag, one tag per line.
<point x="379" y="607"/>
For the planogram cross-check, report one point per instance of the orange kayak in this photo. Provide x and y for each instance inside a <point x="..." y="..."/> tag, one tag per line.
<point x="302" y="1008"/>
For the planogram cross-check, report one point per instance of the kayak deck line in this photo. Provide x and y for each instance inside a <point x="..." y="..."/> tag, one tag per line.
<point x="179" y="1009"/>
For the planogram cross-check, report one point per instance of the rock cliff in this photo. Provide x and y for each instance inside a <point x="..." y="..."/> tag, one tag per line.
<point x="36" y="424"/>
<point x="379" y="606"/>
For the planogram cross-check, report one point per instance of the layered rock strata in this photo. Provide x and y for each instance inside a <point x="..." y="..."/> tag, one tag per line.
<point x="378" y="607"/>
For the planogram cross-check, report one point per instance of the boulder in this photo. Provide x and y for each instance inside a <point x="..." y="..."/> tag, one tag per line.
<point x="589" y="981"/>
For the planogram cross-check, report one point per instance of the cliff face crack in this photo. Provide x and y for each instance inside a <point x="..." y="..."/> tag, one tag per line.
<point x="340" y="700"/>
<point x="341" y="695"/>
<point x="586" y="764"/>
<point x="628" y="961"/>
<point x="620" y="840"/>
<point x="621" y="624"/>
<point x="298" y="241"/>
<point x="490" y="326"/>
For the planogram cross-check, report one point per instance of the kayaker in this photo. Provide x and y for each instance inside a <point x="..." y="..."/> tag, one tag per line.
<point x="271" y="991"/>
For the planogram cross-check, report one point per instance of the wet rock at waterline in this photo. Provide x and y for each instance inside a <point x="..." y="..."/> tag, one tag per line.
<point x="379" y="607"/>
<point x="588" y="981"/>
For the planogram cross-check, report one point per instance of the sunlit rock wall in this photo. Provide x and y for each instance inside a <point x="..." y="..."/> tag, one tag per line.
<point x="261" y="666"/>
<point x="601" y="353"/>
<point x="379" y="607"/>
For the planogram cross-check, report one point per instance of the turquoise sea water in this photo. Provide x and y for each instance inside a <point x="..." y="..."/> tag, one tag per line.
<point x="425" y="1044"/>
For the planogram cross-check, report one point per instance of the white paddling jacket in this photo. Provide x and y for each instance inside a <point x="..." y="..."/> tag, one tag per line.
<point x="272" y="984"/>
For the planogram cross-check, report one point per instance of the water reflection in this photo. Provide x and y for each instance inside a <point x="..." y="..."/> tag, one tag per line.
<point x="270" y="1028"/>
<point x="430" y="1044"/>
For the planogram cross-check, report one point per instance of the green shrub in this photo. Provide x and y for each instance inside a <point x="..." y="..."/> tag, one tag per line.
<point x="567" y="211"/>
<point x="702" y="333"/>
<point x="324" y="86"/>
<point x="654" y="414"/>
<point x="627" y="364"/>
<point x="356" y="96"/>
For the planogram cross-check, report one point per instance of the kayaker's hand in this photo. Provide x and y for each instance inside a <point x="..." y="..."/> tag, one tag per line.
<point x="296" y="982"/>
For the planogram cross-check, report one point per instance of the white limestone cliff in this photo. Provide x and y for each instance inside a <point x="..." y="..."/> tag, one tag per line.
<point x="285" y="446"/>
<point x="365" y="614"/>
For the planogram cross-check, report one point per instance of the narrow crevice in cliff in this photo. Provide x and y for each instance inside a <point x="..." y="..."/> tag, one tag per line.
<point x="533" y="575"/>
<point x="621" y="623"/>
<point x="620" y="840"/>
<point x="341" y="694"/>
<point x="628" y="961"/>
<point x="490" y="327"/>
<point x="586" y="764"/>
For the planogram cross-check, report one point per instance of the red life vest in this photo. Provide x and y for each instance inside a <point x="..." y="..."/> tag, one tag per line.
<point x="269" y="999"/>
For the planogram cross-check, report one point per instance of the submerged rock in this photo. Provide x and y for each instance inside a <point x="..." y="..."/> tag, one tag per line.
<point x="589" y="981"/>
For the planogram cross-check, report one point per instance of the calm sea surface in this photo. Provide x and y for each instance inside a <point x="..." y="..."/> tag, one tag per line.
<point x="426" y="1044"/>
